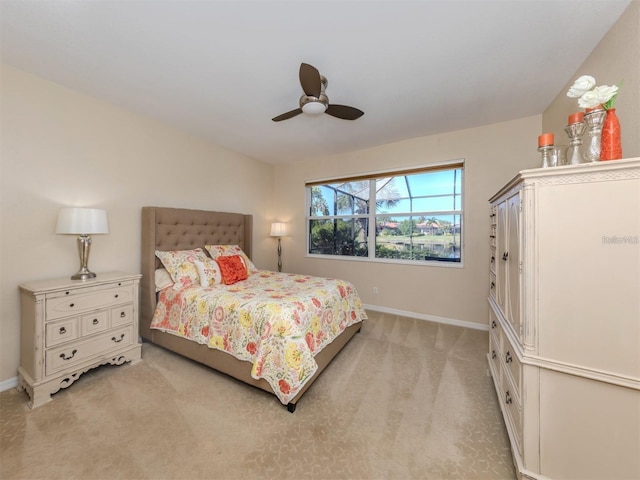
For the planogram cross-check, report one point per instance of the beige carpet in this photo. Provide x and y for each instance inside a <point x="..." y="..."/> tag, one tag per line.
<point x="405" y="399"/>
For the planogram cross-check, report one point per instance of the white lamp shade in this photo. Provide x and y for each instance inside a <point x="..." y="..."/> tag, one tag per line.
<point x="82" y="221"/>
<point x="278" y="229"/>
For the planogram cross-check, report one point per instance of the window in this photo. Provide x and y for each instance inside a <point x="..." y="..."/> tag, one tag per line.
<point x="410" y="215"/>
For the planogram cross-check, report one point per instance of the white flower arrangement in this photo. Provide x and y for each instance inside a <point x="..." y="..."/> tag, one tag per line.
<point x="590" y="96"/>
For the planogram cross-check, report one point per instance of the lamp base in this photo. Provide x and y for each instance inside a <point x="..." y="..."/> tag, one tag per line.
<point x="279" y="255"/>
<point x="83" y="274"/>
<point x="84" y="247"/>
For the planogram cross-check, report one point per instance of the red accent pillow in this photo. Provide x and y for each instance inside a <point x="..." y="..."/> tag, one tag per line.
<point x="232" y="269"/>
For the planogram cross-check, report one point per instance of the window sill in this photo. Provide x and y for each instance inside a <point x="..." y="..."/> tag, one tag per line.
<point x="446" y="263"/>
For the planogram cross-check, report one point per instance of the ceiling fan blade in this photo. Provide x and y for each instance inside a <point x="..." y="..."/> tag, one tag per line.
<point x="310" y="80"/>
<point x="344" y="112"/>
<point x="287" y="115"/>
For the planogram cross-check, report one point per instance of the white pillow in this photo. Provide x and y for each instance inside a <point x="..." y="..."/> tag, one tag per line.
<point x="162" y="279"/>
<point x="209" y="272"/>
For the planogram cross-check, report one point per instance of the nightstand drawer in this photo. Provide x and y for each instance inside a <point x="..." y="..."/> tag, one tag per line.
<point x="122" y="315"/>
<point x="62" y="331"/>
<point x="63" y="357"/>
<point x="71" y="303"/>
<point x="94" y="323"/>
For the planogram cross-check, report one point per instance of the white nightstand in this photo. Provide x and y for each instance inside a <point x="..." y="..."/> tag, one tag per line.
<point x="71" y="326"/>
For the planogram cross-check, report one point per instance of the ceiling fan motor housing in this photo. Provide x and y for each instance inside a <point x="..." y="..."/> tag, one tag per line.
<point x="316" y="105"/>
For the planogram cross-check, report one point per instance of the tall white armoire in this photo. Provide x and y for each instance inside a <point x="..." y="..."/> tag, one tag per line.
<point x="564" y="318"/>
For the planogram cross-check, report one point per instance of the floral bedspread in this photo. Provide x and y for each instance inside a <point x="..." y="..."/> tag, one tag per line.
<point x="276" y="321"/>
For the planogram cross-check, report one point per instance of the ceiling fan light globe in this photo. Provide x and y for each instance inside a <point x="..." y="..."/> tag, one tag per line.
<point x="314" y="108"/>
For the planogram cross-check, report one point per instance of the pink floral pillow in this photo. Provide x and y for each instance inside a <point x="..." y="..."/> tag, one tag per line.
<point x="181" y="265"/>
<point x="232" y="268"/>
<point x="226" y="250"/>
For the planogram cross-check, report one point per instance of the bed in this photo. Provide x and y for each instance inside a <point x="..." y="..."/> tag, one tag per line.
<point x="175" y="229"/>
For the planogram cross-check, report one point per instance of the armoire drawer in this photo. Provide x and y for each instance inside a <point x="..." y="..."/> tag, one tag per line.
<point x="495" y="359"/>
<point x="513" y="408"/>
<point x="494" y="325"/>
<point x="492" y="259"/>
<point x="492" y="285"/>
<point x="513" y="366"/>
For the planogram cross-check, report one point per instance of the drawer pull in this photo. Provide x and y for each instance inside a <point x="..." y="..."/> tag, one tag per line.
<point x="493" y="259"/>
<point x="507" y="357"/>
<point x="493" y="285"/>
<point x="123" y="314"/>
<point x="493" y="324"/>
<point x="62" y="331"/>
<point x="71" y="305"/>
<point x="507" y="397"/>
<point x="505" y="256"/>
<point x="95" y="321"/>
<point x="493" y="354"/>
<point x="116" y="340"/>
<point x="73" y="354"/>
<point x="115" y="296"/>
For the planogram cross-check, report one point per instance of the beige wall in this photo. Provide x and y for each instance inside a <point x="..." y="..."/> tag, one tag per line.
<point x="617" y="57"/>
<point x="493" y="154"/>
<point x="62" y="148"/>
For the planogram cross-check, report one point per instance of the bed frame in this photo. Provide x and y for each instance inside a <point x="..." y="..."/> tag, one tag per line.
<point x="182" y="229"/>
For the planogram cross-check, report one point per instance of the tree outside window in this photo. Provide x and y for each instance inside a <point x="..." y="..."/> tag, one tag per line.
<point x="416" y="216"/>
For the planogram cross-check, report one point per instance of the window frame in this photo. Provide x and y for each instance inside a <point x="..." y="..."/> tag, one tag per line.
<point x="372" y="215"/>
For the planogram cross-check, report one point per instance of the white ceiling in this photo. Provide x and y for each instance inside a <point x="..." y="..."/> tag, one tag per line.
<point x="223" y="69"/>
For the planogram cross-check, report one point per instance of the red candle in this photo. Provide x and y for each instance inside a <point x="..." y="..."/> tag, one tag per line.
<point x="545" y="139"/>
<point x="576" y="118"/>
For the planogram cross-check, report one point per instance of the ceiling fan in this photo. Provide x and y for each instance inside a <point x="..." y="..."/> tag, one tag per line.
<point x="315" y="101"/>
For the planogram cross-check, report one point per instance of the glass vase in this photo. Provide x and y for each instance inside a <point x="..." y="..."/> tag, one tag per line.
<point x="594" y="121"/>
<point x="574" y="152"/>
<point x="611" y="142"/>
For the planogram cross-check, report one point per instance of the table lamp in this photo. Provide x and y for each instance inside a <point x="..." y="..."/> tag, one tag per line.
<point x="82" y="222"/>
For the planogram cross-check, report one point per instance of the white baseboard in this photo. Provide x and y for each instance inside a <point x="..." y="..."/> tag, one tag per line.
<point x="429" y="318"/>
<point x="8" y="384"/>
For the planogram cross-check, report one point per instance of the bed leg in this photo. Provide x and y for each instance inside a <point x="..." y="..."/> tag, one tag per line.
<point x="291" y="407"/>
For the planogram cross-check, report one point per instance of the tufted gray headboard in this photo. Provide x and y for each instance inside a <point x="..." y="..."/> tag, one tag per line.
<point x="182" y="229"/>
